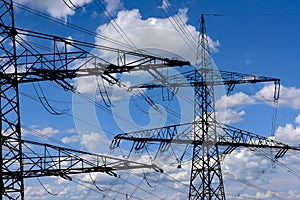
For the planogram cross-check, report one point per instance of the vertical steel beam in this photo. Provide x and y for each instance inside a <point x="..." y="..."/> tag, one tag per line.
<point x="12" y="184"/>
<point x="206" y="180"/>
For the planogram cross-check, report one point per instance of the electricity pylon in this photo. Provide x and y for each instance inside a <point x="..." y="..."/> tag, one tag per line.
<point x="205" y="133"/>
<point x="26" y="60"/>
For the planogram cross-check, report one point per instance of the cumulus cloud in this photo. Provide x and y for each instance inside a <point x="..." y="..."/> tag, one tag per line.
<point x="71" y="139"/>
<point x="289" y="96"/>
<point x="146" y="184"/>
<point x="112" y="6"/>
<point x="229" y="108"/>
<point x="95" y="142"/>
<point x="289" y="133"/>
<point x="56" y="8"/>
<point x="63" y="45"/>
<point x="164" y="4"/>
<point x="86" y="84"/>
<point x="269" y="195"/>
<point x="245" y="164"/>
<point x="230" y="116"/>
<point x="238" y="99"/>
<point x="157" y="33"/>
<point x="47" y="131"/>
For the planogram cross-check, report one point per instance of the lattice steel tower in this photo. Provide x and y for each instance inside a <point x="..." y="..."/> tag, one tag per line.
<point x="206" y="176"/>
<point x="205" y="134"/>
<point x="20" y="63"/>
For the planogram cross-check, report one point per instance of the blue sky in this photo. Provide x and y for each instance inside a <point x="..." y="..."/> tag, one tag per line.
<point x="254" y="37"/>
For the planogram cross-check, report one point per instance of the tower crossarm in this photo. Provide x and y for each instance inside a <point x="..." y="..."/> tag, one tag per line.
<point x="228" y="136"/>
<point x="194" y="78"/>
<point x="234" y="137"/>
<point x="125" y="60"/>
<point x="103" y="70"/>
<point x="48" y="160"/>
<point x="68" y="59"/>
<point x="179" y="133"/>
<point x="42" y="57"/>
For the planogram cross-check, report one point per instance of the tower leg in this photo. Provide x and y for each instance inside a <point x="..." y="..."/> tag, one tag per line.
<point x="12" y="186"/>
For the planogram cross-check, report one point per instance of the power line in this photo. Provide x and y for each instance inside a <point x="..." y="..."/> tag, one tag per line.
<point x="71" y="5"/>
<point x="158" y="197"/>
<point x="260" y="14"/>
<point x="53" y="194"/>
<point x="115" y="25"/>
<point x="235" y="178"/>
<point x="179" y="26"/>
<point x="128" y="43"/>
<point x="70" y="25"/>
<point x="83" y="184"/>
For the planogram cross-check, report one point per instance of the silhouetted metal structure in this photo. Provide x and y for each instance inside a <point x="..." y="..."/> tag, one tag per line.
<point x="205" y="133"/>
<point x="32" y="60"/>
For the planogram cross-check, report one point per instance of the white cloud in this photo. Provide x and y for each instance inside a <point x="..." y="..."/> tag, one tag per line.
<point x="71" y="139"/>
<point x="164" y="4"/>
<point x="213" y="45"/>
<point x="102" y="90"/>
<point x="56" y="8"/>
<point x="245" y="164"/>
<point x="230" y="116"/>
<point x="157" y="33"/>
<point x="250" y="173"/>
<point x="95" y="142"/>
<point x="238" y="99"/>
<point x="229" y="107"/>
<point x="268" y="194"/>
<point x="36" y="192"/>
<point x="47" y="131"/>
<point x="112" y="6"/>
<point x="289" y="96"/>
<point x="63" y="45"/>
<point x="291" y="195"/>
<point x="86" y="84"/>
<point x="289" y="133"/>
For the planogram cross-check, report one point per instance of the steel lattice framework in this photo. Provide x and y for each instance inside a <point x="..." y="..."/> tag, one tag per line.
<point x="21" y="62"/>
<point x="206" y="180"/>
<point x="11" y="150"/>
<point x="205" y="134"/>
<point x="24" y="61"/>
